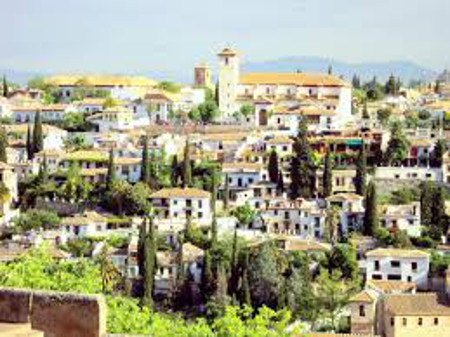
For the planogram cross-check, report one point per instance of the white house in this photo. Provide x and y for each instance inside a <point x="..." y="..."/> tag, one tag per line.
<point x="398" y="265"/>
<point x="402" y="217"/>
<point x="175" y="207"/>
<point x="86" y="224"/>
<point x="278" y="89"/>
<point x="351" y="210"/>
<point x="117" y="118"/>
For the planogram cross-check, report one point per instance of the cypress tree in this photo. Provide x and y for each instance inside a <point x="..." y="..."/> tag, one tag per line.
<point x="280" y="183"/>
<point x="145" y="164"/>
<point x="356" y="83"/>
<point x="361" y="171"/>
<point x="226" y="193"/>
<point x="438" y="209"/>
<point x="111" y="174"/>
<point x="38" y="138"/>
<point x="273" y="166"/>
<point x="330" y="70"/>
<point x="391" y="85"/>
<point x="234" y="279"/>
<point x="141" y="247"/>
<point x="328" y="175"/>
<point x="29" y="144"/>
<point x="43" y="171"/>
<point x="214" y="232"/>
<point x="302" y="170"/>
<point x="5" y="87"/>
<point x="245" y="298"/>
<point x="426" y="203"/>
<point x="149" y="266"/>
<point x="174" y="171"/>
<point x="3" y="145"/>
<point x="153" y="169"/>
<point x="207" y="284"/>
<point x="187" y="169"/>
<point x="438" y="153"/>
<point x="371" y="212"/>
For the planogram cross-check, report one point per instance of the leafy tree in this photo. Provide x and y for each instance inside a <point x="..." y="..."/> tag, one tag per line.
<point x="273" y="166"/>
<point x="334" y="293"/>
<point x="169" y="86"/>
<point x="405" y="196"/>
<point x="264" y="276"/>
<point x="208" y="111"/>
<point x="383" y="116"/>
<point x="361" y="171"/>
<point x="3" y="145"/>
<point x="244" y="215"/>
<point x="138" y="202"/>
<point x="38" y="137"/>
<point x="374" y="90"/>
<point x="36" y="219"/>
<point x="343" y="258"/>
<point x="74" y="187"/>
<point x="371" y="213"/>
<point x="332" y="225"/>
<point x="246" y="110"/>
<point x="327" y="176"/>
<point x="109" y="273"/>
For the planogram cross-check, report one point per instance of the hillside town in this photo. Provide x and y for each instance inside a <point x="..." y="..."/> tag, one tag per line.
<point x="307" y="204"/>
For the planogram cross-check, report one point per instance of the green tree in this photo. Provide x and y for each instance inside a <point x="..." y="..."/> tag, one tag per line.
<point x="244" y="215"/>
<point x="29" y="143"/>
<point x="111" y="174"/>
<point x="302" y="170"/>
<point x="5" y="87"/>
<point x="327" y="175"/>
<point x="38" y="137"/>
<point x="398" y="146"/>
<point x="426" y="202"/>
<point x="174" y="173"/>
<point x="383" y="116"/>
<point x="226" y="193"/>
<point x="361" y="171"/>
<point x="391" y="86"/>
<point x="145" y="164"/>
<point x="150" y="265"/>
<point x="438" y="153"/>
<point x="438" y="217"/>
<point x="371" y="212"/>
<point x="280" y="183"/>
<point x="246" y="110"/>
<point x="187" y="166"/>
<point x="36" y="219"/>
<point x="273" y="166"/>
<point x="264" y="276"/>
<point x="334" y="294"/>
<point x="356" y="82"/>
<point x="3" y="145"/>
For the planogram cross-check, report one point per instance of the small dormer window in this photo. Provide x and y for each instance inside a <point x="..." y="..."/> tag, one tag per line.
<point x="362" y="311"/>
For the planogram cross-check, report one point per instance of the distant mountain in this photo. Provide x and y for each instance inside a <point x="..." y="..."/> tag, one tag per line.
<point x="382" y="70"/>
<point x="19" y="76"/>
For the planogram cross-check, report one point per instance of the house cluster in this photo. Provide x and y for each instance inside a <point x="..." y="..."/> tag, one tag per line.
<point x="399" y="296"/>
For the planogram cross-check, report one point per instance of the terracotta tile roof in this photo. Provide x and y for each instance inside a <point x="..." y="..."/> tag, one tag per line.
<point x="397" y="253"/>
<point x="87" y="155"/>
<point x="181" y="192"/>
<point x="280" y="140"/>
<point x="423" y="304"/>
<point x="299" y="79"/>
<point x="389" y="287"/>
<point x="364" y="296"/>
<point x="345" y="196"/>
<point x="227" y="52"/>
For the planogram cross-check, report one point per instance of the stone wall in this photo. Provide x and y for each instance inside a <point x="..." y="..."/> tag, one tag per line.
<point x="56" y="314"/>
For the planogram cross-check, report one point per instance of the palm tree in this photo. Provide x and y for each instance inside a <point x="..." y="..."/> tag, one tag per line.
<point x="109" y="273"/>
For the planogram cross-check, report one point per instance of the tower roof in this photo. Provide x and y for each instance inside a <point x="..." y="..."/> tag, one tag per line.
<point x="227" y="52"/>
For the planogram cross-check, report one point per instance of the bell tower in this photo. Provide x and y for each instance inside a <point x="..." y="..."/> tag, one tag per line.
<point x="228" y="81"/>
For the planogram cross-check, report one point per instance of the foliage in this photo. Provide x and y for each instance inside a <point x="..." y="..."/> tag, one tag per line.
<point x="398" y="146"/>
<point x="273" y="166"/>
<point x="244" y="215"/>
<point x="405" y="195"/>
<point x="38" y="137"/>
<point x="383" y="116"/>
<point x="439" y="263"/>
<point x="3" y="145"/>
<point x="36" y="219"/>
<point x="169" y="86"/>
<point x="371" y="212"/>
<point x="247" y="110"/>
<point x="328" y="175"/>
<point x="361" y="171"/>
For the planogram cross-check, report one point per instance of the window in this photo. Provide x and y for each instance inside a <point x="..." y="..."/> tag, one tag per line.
<point x="395" y="264"/>
<point x="286" y="215"/>
<point x="405" y="321"/>
<point x="362" y="311"/>
<point x="414" y="266"/>
<point x="377" y="265"/>
<point x="420" y="321"/>
<point x="200" y="215"/>
<point x="188" y="202"/>
<point x="436" y="321"/>
<point x="392" y="321"/>
<point x="377" y="277"/>
<point x="394" y="277"/>
<point x="199" y="204"/>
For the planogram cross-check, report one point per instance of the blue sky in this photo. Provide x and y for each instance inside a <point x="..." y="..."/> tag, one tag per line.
<point x="170" y="36"/>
